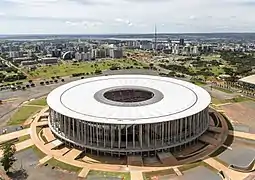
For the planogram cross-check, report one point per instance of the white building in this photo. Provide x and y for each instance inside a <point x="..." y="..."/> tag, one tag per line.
<point x="116" y="53"/>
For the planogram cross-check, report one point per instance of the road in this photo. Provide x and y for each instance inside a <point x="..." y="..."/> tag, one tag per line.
<point x="8" y="108"/>
<point x="8" y="63"/>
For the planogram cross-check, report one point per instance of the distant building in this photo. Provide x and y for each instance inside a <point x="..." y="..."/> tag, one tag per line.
<point x="182" y="42"/>
<point x="28" y="63"/>
<point x="116" y="53"/>
<point x="14" y="54"/>
<point x="56" y="53"/>
<point x="51" y="60"/>
<point x="21" y="59"/>
<point x="67" y="55"/>
<point x="146" y="46"/>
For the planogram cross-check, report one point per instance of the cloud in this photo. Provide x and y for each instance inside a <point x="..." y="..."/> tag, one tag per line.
<point x="123" y="21"/>
<point x="41" y="18"/>
<point x="192" y="17"/>
<point x="92" y="2"/>
<point x="87" y="24"/>
<point x="147" y="1"/>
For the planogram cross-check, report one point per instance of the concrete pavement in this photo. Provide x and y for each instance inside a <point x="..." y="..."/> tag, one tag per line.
<point x="136" y="175"/>
<point x="242" y="135"/>
<point x="10" y="136"/>
<point x="230" y="173"/>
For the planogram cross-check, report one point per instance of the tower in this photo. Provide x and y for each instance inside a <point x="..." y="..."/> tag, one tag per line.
<point x="155" y="38"/>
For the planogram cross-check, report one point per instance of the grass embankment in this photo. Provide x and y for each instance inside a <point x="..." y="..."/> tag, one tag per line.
<point x="67" y="69"/>
<point x="23" y="138"/>
<point x="38" y="102"/>
<point x="23" y="114"/>
<point x="126" y="176"/>
<point x="236" y="99"/>
<point x="149" y="175"/>
<point x="223" y="90"/>
<point x="196" y="164"/>
<point x="38" y="152"/>
<point x="55" y="163"/>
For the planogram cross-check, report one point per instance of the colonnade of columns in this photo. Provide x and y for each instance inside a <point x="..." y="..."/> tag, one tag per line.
<point x="128" y="138"/>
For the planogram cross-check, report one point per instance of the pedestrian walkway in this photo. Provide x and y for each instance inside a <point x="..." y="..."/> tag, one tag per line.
<point x="242" y="135"/>
<point x="84" y="172"/>
<point x="48" y="134"/>
<point x="73" y="154"/>
<point x="44" y="160"/>
<point x="230" y="173"/>
<point x="177" y="171"/>
<point x="136" y="175"/>
<point x="20" y="146"/>
<point x="13" y="135"/>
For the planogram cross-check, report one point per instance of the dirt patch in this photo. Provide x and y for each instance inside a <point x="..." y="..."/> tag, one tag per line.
<point x="241" y="113"/>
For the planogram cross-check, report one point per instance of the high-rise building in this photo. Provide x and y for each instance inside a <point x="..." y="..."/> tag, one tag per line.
<point x="116" y="53"/>
<point x="182" y="42"/>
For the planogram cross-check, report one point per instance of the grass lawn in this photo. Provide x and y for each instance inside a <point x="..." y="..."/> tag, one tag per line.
<point x="67" y="69"/>
<point x="64" y="166"/>
<point x="198" y="83"/>
<point x="223" y="90"/>
<point x="217" y="70"/>
<point x="216" y="101"/>
<point x="23" y="138"/>
<point x="39" y="102"/>
<point x="196" y="164"/>
<point x="38" y="152"/>
<point x="23" y="114"/>
<point x="238" y="99"/>
<point x="149" y="175"/>
<point x="126" y="176"/>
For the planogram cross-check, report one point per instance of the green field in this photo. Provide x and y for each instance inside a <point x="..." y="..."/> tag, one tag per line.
<point x="217" y="70"/>
<point x="223" y="90"/>
<point x="23" y="114"/>
<point x="67" y="69"/>
<point x="38" y="102"/>
<point x="23" y="138"/>
<point x="38" y="152"/>
<point x="126" y="176"/>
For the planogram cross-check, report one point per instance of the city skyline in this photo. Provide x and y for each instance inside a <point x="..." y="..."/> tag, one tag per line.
<point x="125" y="16"/>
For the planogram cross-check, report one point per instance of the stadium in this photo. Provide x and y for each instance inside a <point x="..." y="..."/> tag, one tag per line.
<point x="128" y="114"/>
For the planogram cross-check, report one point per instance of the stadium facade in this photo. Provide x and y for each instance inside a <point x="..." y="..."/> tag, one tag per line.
<point x="128" y="114"/>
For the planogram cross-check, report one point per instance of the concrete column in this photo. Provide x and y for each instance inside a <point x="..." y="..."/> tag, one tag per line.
<point x="104" y="134"/>
<point x="119" y="135"/>
<point x="90" y="133"/>
<point x="126" y="136"/>
<point x="97" y="131"/>
<point x="181" y="124"/>
<point x="69" y="127"/>
<point x="141" y="135"/>
<point x="155" y="135"/>
<point x="112" y="136"/>
<point x="78" y="129"/>
<point x="133" y="136"/>
<point x="85" y="133"/>
<point x="163" y="133"/>
<point x="147" y="134"/>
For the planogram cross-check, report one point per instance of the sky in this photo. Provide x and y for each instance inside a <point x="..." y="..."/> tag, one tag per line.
<point x="125" y="16"/>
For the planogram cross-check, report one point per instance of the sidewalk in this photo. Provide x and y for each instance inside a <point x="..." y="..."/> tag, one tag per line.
<point x="13" y="135"/>
<point x="230" y="173"/>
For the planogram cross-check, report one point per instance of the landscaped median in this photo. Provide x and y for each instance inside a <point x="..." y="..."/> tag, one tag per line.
<point x="23" y="114"/>
<point x="26" y="111"/>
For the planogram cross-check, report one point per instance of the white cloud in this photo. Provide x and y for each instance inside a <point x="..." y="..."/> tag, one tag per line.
<point x="99" y="16"/>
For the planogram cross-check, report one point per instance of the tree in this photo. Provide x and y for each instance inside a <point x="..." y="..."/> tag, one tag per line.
<point x="8" y="156"/>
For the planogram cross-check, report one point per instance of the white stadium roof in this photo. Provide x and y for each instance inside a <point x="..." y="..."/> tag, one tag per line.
<point x="77" y="100"/>
<point x="248" y="79"/>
